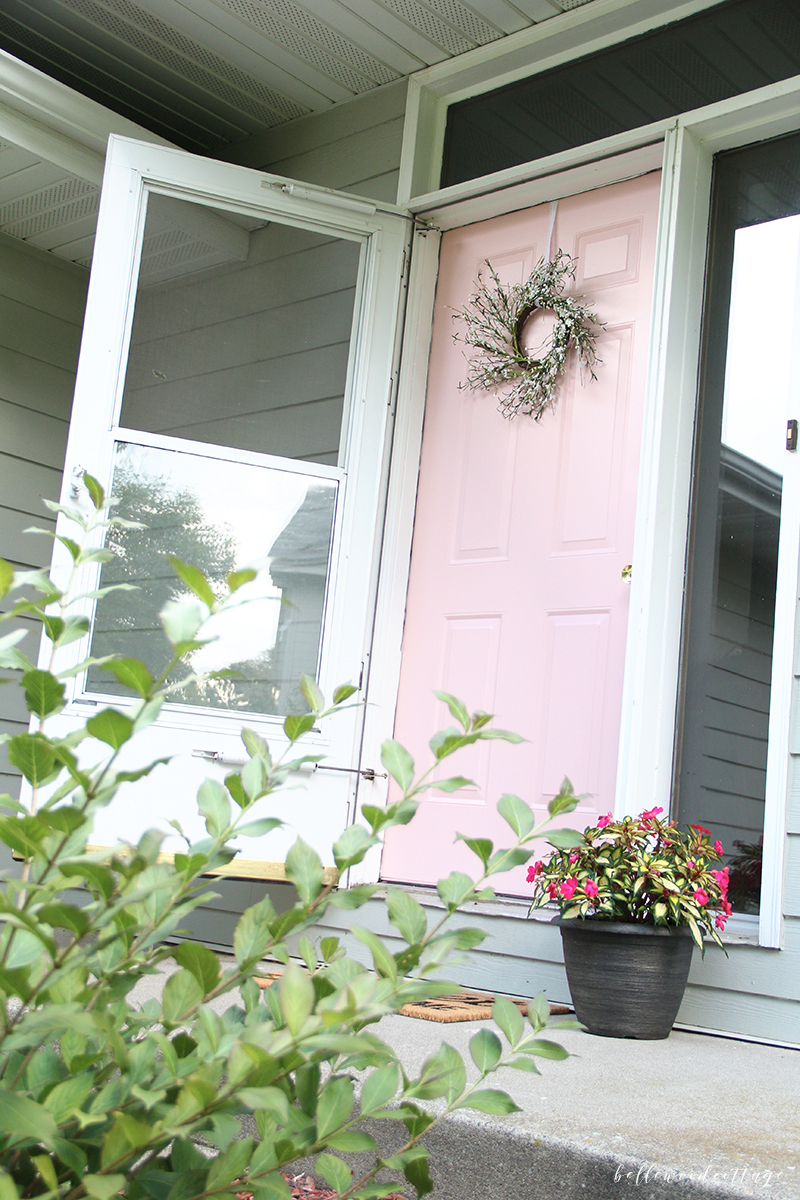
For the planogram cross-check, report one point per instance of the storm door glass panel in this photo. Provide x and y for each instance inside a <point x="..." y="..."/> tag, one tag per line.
<point x="241" y="332"/>
<point x="219" y="516"/>
<point x="749" y="382"/>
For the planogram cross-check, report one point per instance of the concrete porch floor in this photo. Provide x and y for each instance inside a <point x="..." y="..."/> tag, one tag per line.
<point x="691" y="1117"/>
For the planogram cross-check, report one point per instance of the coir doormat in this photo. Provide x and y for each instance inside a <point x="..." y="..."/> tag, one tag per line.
<point x="460" y="1006"/>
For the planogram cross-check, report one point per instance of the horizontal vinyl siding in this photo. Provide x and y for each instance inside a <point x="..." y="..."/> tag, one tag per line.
<point x="353" y="147"/>
<point x="41" y="311"/>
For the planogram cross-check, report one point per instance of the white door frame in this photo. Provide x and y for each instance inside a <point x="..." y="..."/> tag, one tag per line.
<point x="684" y="149"/>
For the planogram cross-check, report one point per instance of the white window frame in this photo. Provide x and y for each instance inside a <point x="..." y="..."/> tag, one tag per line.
<point x="684" y="149"/>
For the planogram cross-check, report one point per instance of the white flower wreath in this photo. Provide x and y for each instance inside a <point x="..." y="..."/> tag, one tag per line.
<point x="495" y="318"/>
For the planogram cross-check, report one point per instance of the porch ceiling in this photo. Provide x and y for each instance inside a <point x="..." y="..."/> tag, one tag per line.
<point x="206" y="74"/>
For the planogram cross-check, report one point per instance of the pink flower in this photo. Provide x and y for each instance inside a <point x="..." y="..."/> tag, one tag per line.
<point x="552" y="891"/>
<point x="573" y="856"/>
<point x="701" y="897"/>
<point x="591" y="888"/>
<point x="651" y="812"/>
<point x="603" y="821"/>
<point x="719" y="921"/>
<point x="701" y="829"/>
<point x="535" y="870"/>
<point x="568" y="887"/>
<point x="718" y="847"/>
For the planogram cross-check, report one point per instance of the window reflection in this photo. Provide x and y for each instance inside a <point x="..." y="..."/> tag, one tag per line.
<point x="219" y="516"/>
<point x="749" y="361"/>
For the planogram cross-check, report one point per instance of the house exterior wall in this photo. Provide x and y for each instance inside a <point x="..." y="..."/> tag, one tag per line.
<point x="41" y="310"/>
<point x="353" y="148"/>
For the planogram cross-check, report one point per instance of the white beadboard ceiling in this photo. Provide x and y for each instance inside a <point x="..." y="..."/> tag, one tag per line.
<point x="208" y="73"/>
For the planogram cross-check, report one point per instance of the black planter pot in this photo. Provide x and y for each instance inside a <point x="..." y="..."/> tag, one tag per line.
<point x="626" y="980"/>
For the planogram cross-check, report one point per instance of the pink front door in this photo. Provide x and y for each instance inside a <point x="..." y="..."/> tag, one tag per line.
<point x="517" y="602"/>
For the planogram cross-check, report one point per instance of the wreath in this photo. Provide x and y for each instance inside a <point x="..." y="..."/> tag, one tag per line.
<point x="495" y="318"/>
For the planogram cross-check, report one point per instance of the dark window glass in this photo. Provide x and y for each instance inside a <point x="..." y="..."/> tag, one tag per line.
<point x="752" y="310"/>
<point x="729" y="49"/>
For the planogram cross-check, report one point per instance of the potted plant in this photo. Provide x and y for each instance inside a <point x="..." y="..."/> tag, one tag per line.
<point x="636" y="895"/>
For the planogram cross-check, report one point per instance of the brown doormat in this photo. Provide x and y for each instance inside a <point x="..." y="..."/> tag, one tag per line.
<point x="460" y="1006"/>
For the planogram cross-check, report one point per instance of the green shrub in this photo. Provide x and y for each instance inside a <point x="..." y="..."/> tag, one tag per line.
<point x="99" y="1097"/>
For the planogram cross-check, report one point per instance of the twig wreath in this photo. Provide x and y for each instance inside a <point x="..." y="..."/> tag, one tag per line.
<point x="495" y="318"/>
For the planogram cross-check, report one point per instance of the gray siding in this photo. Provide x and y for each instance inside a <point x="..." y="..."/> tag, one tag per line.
<point x="354" y="147"/>
<point x="41" y="310"/>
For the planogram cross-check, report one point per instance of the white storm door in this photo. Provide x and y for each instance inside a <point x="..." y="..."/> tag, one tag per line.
<point x="233" y="392"/>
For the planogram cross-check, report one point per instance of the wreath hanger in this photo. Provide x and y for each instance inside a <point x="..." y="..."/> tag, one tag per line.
<point x="495" y="319"/>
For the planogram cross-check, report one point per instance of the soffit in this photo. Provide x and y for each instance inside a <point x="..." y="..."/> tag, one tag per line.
<point x="206" y="74"/>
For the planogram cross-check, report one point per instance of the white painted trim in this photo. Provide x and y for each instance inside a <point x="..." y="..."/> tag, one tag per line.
<point x="57" y="124"/>
<point x="650" y="688"/>
<point x="387" y="640"/>
<point x="550" y="43"/>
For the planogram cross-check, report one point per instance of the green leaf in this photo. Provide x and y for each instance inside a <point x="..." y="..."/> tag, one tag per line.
<point x="295" y="727"/>
<point x="566" y="800"/>
<point x="343" y="692"/>
<point x="9" y="656"/>
<point x="254" y="778"/>
<point x="351" y="1141"/>
<point x="258" y="828"/>
<point x="271" y="1187"/>
<point x="296" y="995"/>
<point x="509" y="1018"/>
<point x="565" y="839"/>
<point x="407" y="914"/>
<point x="457" y="709"/>
<point x="443" y="1074"/>
<point x="111" y="727"/>
<point x="398" y="763"/>
<point x="237" y="579"/>
<point x="311" y="693"/>
<point x="417" y="1172"/>
<point x="516" y="813"/>
<point x="455" y="889"/>
<point x="485" y="1049"/>
<point x="453" y="784"/>
<point x="255" y="745"/>
<point x="480" y="846"/>
<point x="96" y="493"/>
<point x="131" y="673"/>
<point x="181" y="620"/>
<point x="334" y="1105"/>
<point x="103" y="1187"/>
<point x="384" y="963"/>
<point x="252" y="934"/>
<point x="489" y="1100"/>
<point x="351" y="847"/>
<point x="304" y="869"/>
<point x="24" y="1120"/>
<point x="353" y="897"/>
<point x="334" y="1171"/>
<point x="64" y="916"/>
<point x="542" y="1048"/>
<point x="33" y="756"/>
<point x="200" y="962"/>
<point x="379" y="1088"/>
<point x="215" y="805"/>
<point x="230" y="1165"/>
<point x="6" y="577"/>
<point x="194" y="579"/>
<point x="182" y="994"/>
<point x="44" y="694"/>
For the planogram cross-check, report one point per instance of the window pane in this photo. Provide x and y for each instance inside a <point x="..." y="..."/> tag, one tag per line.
<point x="750" y="352"/>
<point x="219" y="516"/>
<point x="241" y="332"/>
